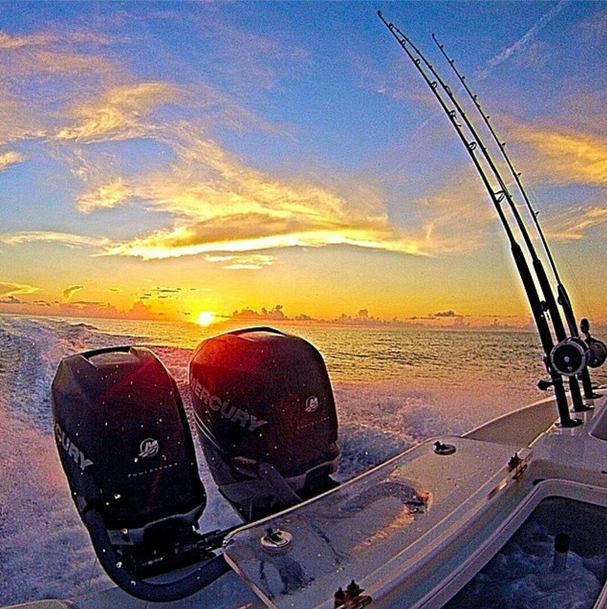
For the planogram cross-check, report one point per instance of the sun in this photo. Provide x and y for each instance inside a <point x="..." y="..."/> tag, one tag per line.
<point x="206" y="318"/>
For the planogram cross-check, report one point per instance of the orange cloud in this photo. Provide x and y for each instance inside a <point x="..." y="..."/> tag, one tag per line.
<point x="221" y="205"/>
<point x="117" y="114"/>
<point x="105" y="197"/>
<point x="576" y="222"/>
<point x="17" y="119"/>
<point x="8" y="289"/>
<point x="68" y="293"/>
<point x="8" y="42"/>
<point x="564" y="157"/>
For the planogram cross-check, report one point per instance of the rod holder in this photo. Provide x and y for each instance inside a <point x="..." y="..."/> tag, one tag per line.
<point x="562" y="541"/>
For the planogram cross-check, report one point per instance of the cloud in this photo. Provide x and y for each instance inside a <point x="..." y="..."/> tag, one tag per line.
<point x="68" y="293"/>
<point x="9" y="289"/>
<point x="252" y="262"/>
<point x="108" y="196"/>
<point x="67" y="239"/>
<point x="117" y="114"/>
<point x="17" y="119"/>
<point x="522" y="42"/>
<point x="250" y="61"/>
<point x="10" y="158"/>
<point x="213" y="203"/>
<point x="564" y="156"/>
<point x="221" y="205"/>
<point x="140" y="310"/>
<point x="55" y="61"/>
<point x="11" y="300"/>
<point x="39" y="72"/>
<point x="9" y="42"/>
<point x="575" y="223"/>
<point x="86" y="308"/>
<point x="449" y="313"/>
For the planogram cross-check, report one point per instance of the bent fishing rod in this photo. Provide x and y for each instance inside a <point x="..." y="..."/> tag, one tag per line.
<point x="598" y="350"/>
<point x="565" y="343"/>
<point x="520" y="261"/>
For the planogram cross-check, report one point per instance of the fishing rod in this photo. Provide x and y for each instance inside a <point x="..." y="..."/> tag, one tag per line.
<point x="597" y="348"/>
<point x="520" y="261"/>
<point x="574" y="348"/>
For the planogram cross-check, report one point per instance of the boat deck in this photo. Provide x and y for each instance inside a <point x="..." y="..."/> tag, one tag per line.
<point x="374" y="529"/>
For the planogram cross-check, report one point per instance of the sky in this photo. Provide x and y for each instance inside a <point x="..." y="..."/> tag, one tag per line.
<point x="163" y="159"/>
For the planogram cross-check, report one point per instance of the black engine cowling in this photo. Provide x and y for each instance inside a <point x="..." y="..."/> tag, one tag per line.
<point x="127" y="452"/>
<point x="265" y="409"/>
<point x="123" y="439"/>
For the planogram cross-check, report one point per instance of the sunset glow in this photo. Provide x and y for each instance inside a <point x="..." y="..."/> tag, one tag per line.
<point x="206" y="318"/>
<point x="249" y="155"/>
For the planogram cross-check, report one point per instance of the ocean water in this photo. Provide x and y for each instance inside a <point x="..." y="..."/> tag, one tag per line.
<point x="393" y="388"/>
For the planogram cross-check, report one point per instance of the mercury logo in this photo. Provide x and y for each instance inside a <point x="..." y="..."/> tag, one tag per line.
<point x="149" y="448"/>
<point x="312" y="404"/>
<point x="71" y="449"/>
<point x="233" y="413"/>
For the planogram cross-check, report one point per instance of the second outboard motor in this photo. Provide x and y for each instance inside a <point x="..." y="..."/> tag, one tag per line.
<point x="126" y="449"/>
<point x="265" y="409"/>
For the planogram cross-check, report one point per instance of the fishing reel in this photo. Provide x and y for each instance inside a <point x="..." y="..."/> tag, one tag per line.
<point x="598" y="349"/>
<point x="570" y="356"/>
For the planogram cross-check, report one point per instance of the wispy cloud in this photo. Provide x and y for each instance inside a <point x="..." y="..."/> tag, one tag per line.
<point x="108" y="196"/>
<point x="221" y="205"/>
<point x="563" y="156"/>
<point x="594" y="28"/>
<point x="577" y="222"/>
<point x="18" y="121"/>
<point x="9" y="42"/>
<point x="117" y="114"/>
<point x="213" y="203"/>
<point x="39" y="72"/>
<point x="458" y="212"/>
<point x="522" y="42"/>
<point x="251" y="61"/>
<point x="10" y="158"/>
<point x="67" y="239"/>
<point x="9" y="289"/>
<point x="42" y="56"/>
<point x="253" y="262"/>
<point x="68" y="293"/>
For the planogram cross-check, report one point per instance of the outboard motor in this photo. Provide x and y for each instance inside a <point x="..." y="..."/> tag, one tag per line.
<point x="126" y="449"/>
<point x="266" y="414"/>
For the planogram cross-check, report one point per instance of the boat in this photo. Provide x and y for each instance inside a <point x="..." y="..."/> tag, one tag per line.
<point x="441" y="525"/>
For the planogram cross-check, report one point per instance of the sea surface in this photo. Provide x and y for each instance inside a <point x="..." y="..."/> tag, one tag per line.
<point x="393" y="388"/>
